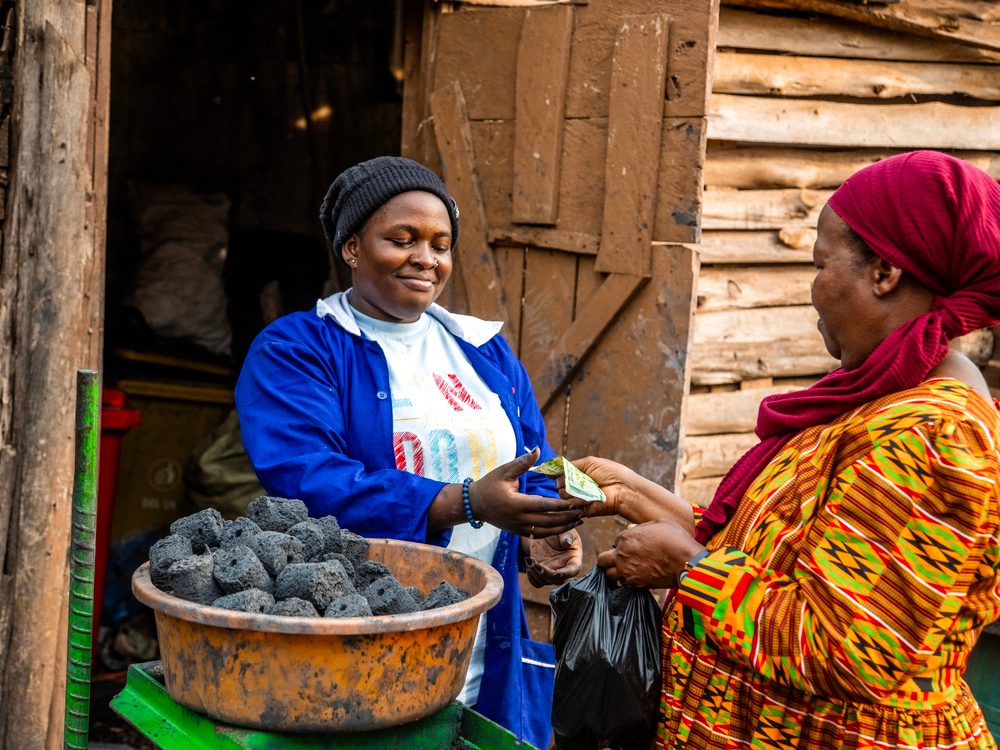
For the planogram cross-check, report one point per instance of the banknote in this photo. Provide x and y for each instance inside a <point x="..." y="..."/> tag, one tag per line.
<point x="578" y="484"/>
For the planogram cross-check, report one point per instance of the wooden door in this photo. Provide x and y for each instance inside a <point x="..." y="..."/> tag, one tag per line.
<point x="573" y="137"/>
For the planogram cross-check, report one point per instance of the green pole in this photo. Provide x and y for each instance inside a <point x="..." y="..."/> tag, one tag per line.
<point x="81" y="573"/>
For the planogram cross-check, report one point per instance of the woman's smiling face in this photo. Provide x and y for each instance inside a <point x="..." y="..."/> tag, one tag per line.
<point x="401" y="258"/>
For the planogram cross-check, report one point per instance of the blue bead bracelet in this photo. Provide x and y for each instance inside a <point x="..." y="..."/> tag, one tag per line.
<point x="467" y="505"/>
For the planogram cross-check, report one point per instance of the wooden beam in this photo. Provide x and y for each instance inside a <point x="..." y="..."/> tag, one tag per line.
<point x="762" y="209"/>
<point x="542" y="74"/>
<point x="755" y="119"/>
<point x="581" y="243"/>
<point x="713" y="455"/>
<point x="735" y="411"/>
<point x="635" y="125"/>
<point x="478" y="266"/>
<point x="735" y="288"/>
<point x="791" y="245"/>
<point x="585" y="331"/>
<point x="699" y="491"/>
<point x="759" y="167"/>
<point x="730" y="346"/>
<point x="831" y="37"/>
<point x="520" y="3"/>
<point x="51" y="308"/>
<point x="785" y="75"/>
<point x="972" y="22"/>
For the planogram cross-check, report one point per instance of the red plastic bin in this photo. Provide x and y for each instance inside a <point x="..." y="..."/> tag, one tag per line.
<point x="116" y="421"/>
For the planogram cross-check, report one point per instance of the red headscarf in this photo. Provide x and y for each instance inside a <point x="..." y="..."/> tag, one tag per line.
<point x="937" y="218"/>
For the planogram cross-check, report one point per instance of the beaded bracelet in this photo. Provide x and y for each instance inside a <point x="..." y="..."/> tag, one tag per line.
<point x="467" y="505"/>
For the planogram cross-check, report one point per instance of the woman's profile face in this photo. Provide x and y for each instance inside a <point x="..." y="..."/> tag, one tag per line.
<point x="842" y="293"/>
<point x="403" y="257"/>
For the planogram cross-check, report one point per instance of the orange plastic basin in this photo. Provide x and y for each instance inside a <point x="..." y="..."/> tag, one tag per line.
<point x="313" y="674"/>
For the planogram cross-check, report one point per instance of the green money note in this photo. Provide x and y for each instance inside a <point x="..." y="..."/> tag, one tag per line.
<point x="578" y="484"/>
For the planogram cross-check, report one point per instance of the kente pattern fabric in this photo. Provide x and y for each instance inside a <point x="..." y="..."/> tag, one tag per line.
<point x="937" y="218"/>
<point x="838" y="607"/>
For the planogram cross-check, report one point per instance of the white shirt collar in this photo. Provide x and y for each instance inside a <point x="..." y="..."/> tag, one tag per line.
<point x="466" y="327"/>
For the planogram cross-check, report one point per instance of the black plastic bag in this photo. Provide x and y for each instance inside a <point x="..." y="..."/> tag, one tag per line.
<point x="607" y="643"/>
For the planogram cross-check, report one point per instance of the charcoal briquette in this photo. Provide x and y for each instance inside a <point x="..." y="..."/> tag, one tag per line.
<point x="203" y="528"/>
<point x="351" y="605"/>
<point x="320" y="583"/>
<point x="310" y="533"/>
<point x="386" y="596"/>
<point x="164" y="553"/>
<point x="255" y="601"/>
<point x="276" y="513"/>
<point x="238" y="532"/>
<point x="275" y="550"/>
<point x="444" y="594"/>
<point x="238" y="569"/>
<point x="192" y="579"/>
<point x="294" y="607"/>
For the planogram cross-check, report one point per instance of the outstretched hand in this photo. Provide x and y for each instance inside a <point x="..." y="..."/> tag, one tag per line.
<point x="495" y="499"/>
<point x="554" y="559"/>
<point x="613" y="478"/>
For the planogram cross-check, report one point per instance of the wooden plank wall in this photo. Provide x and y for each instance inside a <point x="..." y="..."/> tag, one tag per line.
<point x="798" y="103"/>
<point x="54" y="57"/>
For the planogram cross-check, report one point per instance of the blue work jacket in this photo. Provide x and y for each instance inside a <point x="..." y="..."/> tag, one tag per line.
<point x="316" y="419"/>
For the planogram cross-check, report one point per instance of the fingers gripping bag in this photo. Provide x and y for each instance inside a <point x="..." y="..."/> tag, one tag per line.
<point x="607" y="682"/>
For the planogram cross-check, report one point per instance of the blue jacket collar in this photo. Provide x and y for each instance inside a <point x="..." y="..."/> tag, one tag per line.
<point x="466" y="327"/>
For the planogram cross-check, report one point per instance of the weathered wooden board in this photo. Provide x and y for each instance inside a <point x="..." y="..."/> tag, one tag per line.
<point x="478" y="266"/>
<point x="510" y="267"/>
<point x="637" y="375"/>
<point x="755" y="119"/>
<point x="542" y="74"/>
<point x="51" y="307"/>
<point x="699" y="491"/>
<point x="972" y="22"/>
<point x="581" y="180"/>
<point x="712" y="455"/>
<point x="547" y="311"/>
<point x="489" y="88"/>
<point x="635" y="122"/>
<point x="826" y="37"/>
<point x="593" y="316"/>
<point x="734" y="345"/>
<point x="762" y="209"/>
<point x="750" y="167"/>
<point x="553" y="239"/>
<point x="784" y="75"/>
<point x="418" y="141"/>
<point x="792" y="245"/>
<point x="735" y="411"/>
<point x="735" y="288"/>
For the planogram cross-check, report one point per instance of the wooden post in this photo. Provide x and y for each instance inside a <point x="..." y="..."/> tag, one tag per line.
<point x="51" y="288"/>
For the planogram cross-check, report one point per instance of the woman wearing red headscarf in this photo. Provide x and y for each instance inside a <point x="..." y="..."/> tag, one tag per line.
<point x="831" y="593"/>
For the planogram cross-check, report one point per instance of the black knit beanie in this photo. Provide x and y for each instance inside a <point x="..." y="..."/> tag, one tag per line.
<point x="359" y="191"/>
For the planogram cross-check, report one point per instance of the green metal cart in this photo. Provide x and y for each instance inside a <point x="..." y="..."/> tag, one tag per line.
<point x="145" y="703"/>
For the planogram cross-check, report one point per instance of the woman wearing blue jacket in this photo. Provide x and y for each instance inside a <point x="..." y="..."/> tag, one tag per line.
<point x="406" y="421"/>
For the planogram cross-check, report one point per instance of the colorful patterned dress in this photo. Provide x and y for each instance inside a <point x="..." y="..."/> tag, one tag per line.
<point x="838" y="607"/>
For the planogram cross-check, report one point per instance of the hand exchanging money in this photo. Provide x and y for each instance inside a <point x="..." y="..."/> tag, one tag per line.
<point x="577" y="483"/>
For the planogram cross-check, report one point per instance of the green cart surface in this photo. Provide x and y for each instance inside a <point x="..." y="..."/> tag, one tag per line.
<point x="145" y="703"/>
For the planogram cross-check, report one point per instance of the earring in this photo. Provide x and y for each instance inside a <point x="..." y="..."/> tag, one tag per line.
<point x="353" y="262"/>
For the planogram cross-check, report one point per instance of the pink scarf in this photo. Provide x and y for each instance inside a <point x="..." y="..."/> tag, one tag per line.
<point x="937" y="218"/>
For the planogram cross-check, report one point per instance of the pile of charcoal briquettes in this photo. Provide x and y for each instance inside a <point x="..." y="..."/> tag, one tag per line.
<point x="277" y="560"/>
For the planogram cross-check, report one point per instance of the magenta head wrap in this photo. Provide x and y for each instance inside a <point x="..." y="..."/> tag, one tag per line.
<point x="937" y="218"/>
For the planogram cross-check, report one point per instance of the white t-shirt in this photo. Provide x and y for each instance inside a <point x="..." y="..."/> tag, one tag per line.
<point x="446" y="425"/>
